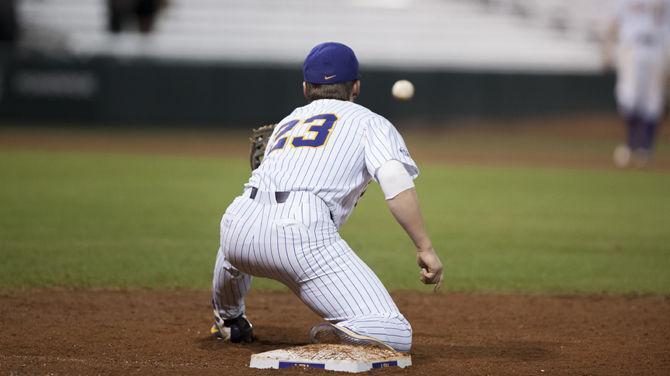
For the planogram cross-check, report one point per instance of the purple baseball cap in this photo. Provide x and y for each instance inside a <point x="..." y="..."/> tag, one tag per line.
<point x="330" y="63"/>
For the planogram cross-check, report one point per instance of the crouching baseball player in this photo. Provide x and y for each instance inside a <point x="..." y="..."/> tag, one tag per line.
<point x="317" y="163"/>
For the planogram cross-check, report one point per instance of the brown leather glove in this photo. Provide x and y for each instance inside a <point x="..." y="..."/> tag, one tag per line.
<point x="259" y="141"/>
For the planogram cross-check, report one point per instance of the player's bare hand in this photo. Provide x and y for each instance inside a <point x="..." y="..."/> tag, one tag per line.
<point x="431" y="267"/>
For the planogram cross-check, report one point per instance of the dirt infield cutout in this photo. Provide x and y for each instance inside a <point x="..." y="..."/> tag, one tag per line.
<point x="58" y="331"/>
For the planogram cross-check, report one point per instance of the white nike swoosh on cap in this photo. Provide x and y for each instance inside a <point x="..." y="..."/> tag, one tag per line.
<point x="329" y="77"/>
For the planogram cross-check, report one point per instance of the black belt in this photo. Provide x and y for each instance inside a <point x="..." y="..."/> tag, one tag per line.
<point x="280" y="197"/>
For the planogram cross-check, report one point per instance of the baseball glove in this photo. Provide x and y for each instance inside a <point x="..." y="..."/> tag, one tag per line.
<point x="259" y="141"/>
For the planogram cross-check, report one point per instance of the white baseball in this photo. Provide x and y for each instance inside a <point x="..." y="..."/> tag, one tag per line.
<point x="402" y="90"/>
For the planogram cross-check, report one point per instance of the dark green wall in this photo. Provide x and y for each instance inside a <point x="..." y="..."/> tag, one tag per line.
<point x="113" y="91"/>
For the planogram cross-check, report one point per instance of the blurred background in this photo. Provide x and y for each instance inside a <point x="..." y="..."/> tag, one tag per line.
<point x="236" y="63"/>
<point x="124" y="130"/>
<point x="124" y="135"/>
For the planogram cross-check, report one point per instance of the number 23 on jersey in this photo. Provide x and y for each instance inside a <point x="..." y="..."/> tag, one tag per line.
<point x="318" y="130"/>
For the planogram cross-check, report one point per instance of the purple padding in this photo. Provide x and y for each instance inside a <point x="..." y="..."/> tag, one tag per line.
<point x="385" y="364"/>
<point x="300" y="364"/>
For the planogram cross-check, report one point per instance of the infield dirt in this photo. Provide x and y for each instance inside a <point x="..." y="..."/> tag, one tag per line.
<point x="54" y="331"/>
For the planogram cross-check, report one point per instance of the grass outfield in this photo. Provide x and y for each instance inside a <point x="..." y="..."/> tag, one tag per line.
<point x="114" y="220"/>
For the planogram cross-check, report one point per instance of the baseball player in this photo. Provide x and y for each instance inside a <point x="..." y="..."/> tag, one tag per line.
<point x="643" y="40"/>
<point x="284" y="226"/>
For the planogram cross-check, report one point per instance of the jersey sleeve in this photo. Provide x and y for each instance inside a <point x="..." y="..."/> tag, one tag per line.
<point x="382" y="143"/>
<point x="271" y="141"/>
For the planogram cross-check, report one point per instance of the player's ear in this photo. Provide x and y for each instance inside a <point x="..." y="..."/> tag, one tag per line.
<point x="356" y="90"/>
<point x="304" y="89"/>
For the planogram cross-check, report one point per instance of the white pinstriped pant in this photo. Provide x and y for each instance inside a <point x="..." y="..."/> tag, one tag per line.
<point x="641" y="80"/>
<point x="297" y="244"/>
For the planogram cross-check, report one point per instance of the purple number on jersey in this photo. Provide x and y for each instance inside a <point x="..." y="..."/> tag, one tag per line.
<point x="320" y="127"/>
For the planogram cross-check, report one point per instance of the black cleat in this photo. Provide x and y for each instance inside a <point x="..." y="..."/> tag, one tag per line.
<point x="235" y="330"/>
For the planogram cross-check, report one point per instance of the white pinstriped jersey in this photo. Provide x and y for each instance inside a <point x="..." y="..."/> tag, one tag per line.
<point x="332" y="149"/>
<point x="643" y="23"/>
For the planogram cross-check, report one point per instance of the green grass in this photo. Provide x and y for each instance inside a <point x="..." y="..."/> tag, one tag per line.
<point x="108" y="220"/>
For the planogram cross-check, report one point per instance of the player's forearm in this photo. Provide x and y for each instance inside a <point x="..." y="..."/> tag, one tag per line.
<point x="406" y="210"/>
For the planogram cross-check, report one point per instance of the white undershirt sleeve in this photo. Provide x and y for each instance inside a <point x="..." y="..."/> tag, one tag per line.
<point x="393" y="178"/>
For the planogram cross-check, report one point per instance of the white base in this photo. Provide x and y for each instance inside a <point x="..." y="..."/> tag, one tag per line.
<point x="331" y="357"/>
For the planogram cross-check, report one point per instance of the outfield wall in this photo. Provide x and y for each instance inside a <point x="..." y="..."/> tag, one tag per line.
<point x="158" y="92"/>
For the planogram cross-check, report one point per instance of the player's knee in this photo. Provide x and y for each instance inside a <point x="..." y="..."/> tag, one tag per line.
<point x="401" y="340"/>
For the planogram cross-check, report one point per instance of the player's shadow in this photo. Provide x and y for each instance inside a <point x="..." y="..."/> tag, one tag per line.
<point x="271" y="338"/>
<point x="509" y="350"/>
<point x="259" y="345"/>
